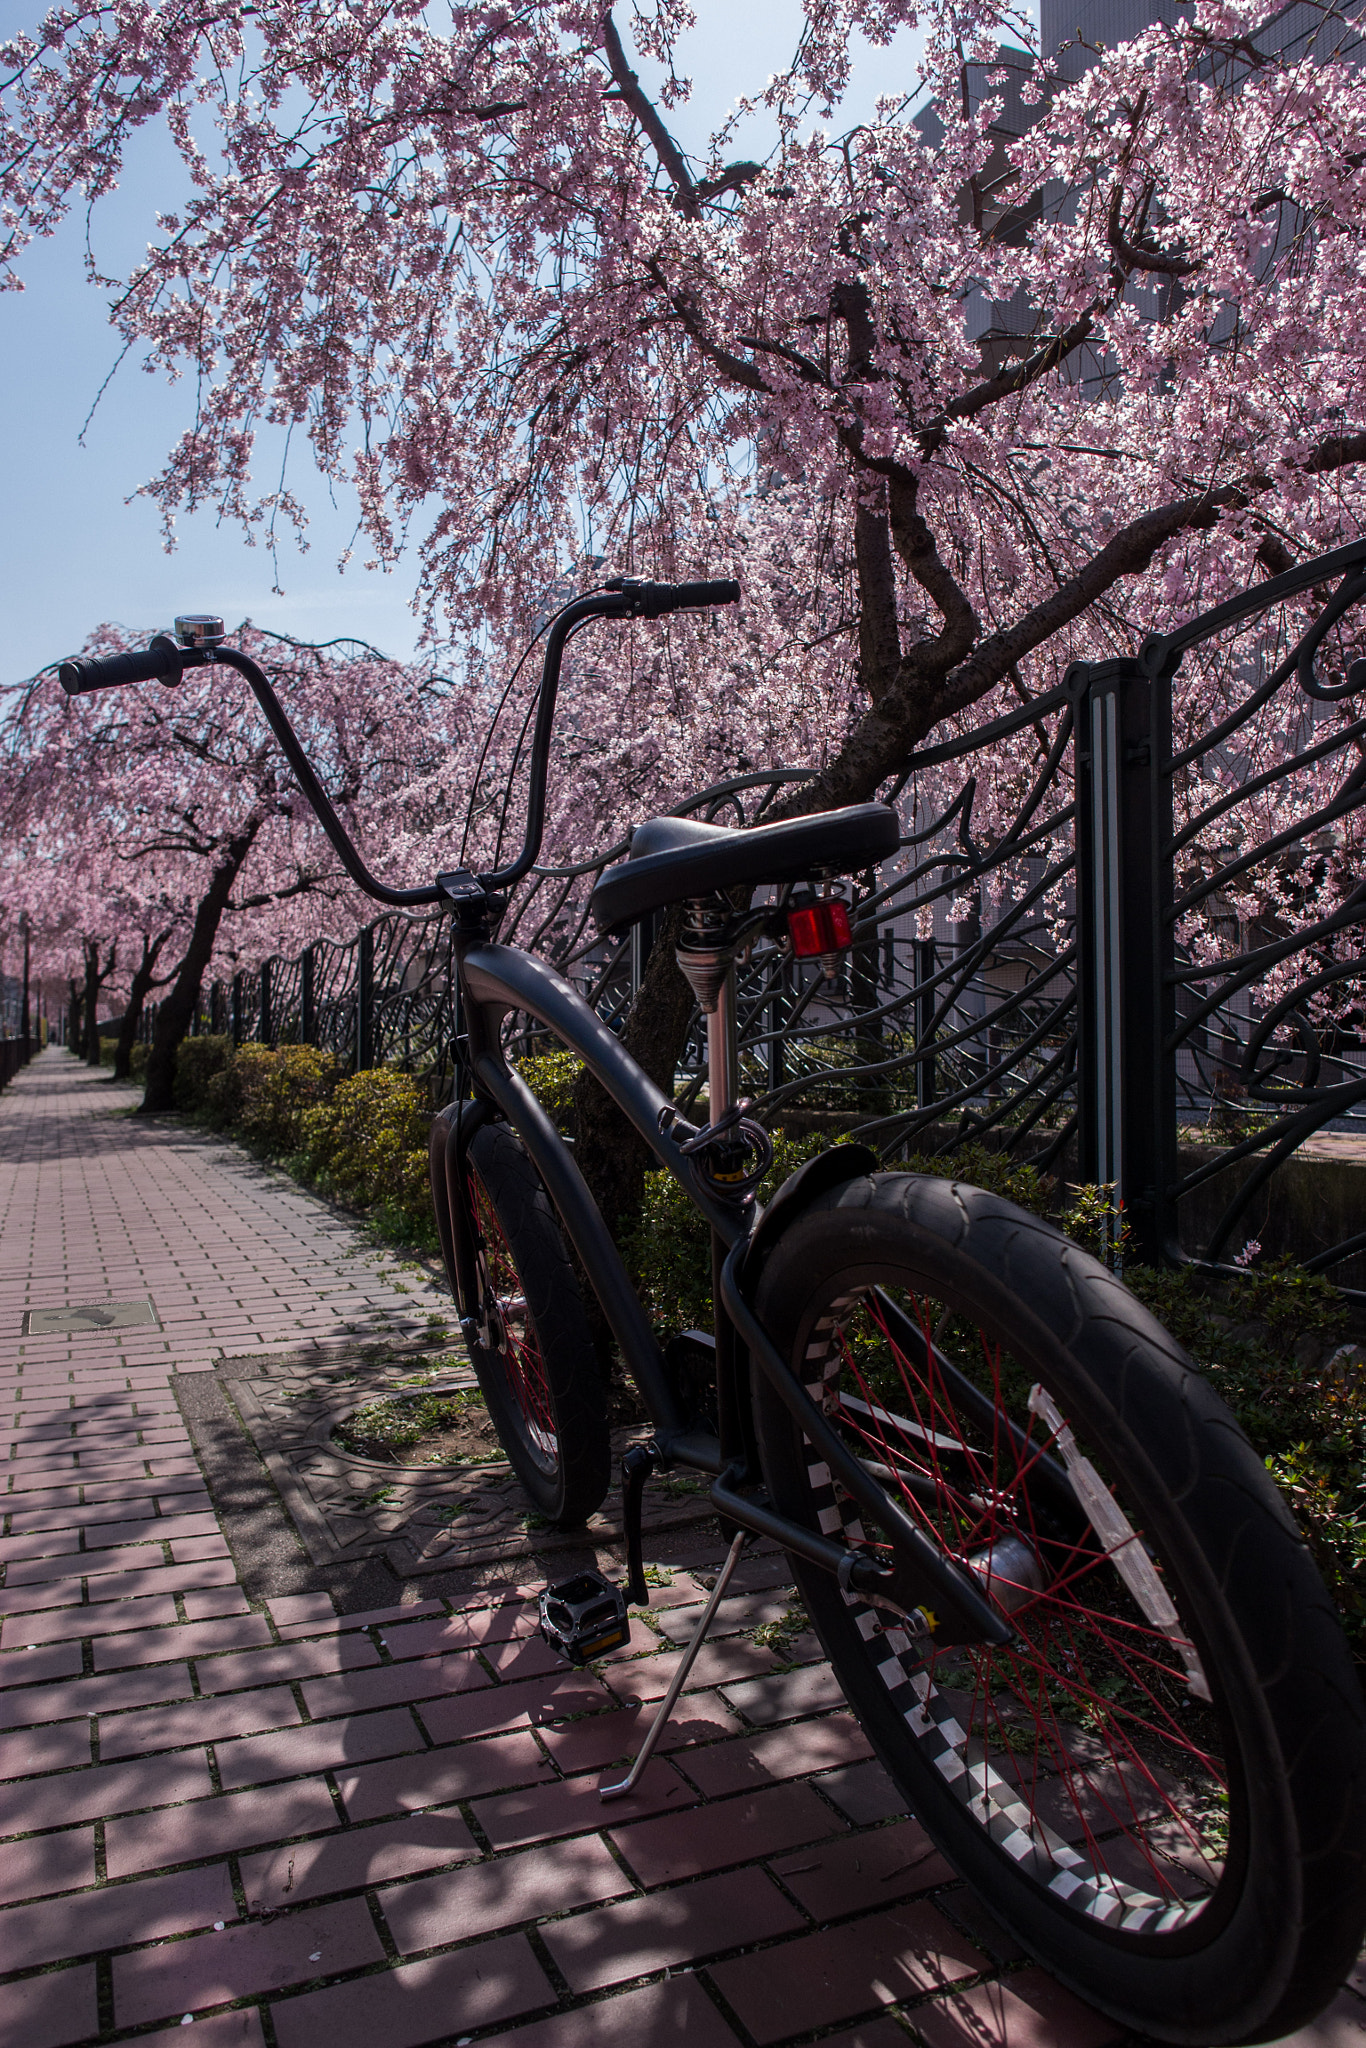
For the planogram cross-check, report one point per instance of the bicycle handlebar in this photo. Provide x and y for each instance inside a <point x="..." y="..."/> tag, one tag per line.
<point x="165" y="660"/>
<point x="653" y="600"/>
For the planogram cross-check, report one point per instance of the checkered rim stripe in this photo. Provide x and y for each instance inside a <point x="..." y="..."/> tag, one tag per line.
<point x="932" y="1718"/>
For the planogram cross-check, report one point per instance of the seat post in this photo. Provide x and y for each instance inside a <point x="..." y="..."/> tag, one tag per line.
<point x="723" y="1081"/>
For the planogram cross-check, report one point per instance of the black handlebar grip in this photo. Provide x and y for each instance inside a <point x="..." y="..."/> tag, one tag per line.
<point x="161" y="662"/>
<point x="687" y="594"/>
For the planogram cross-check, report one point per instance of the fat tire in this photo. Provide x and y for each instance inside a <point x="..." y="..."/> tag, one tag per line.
<point x="570" y="1486"/>
<point x="1293" y="1918"/>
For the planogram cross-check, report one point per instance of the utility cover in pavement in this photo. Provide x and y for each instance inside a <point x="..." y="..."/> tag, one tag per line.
<point x="98" y="1315"/>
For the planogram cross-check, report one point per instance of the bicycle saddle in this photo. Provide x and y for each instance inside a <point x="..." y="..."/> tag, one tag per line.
<point x="673" y="858"/>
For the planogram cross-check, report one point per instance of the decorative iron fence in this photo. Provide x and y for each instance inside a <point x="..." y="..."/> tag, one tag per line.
<point x="1222" y="899"/>
<point x="1121" y="937"/>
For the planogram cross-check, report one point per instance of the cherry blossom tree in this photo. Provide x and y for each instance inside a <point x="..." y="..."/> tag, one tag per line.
<point x="132" y="816"/>
<point x="958" y="410"/>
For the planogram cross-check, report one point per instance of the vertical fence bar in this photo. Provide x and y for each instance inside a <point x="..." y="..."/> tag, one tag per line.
<point x="365" y="1001"/>
<point x="306" y="996"/>
<point x="263" y="1022"/>
<point x="236" y="1010"/>
<point x="924" y="1022"/>
<point x="1126" y="1006"/>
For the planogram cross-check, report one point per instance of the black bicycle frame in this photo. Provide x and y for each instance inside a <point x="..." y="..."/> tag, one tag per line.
<point x="494" y="980"/>
<point x="491" y="981"/>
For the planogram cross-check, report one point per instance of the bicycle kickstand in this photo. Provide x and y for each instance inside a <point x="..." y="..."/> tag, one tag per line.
<point x="680" y="1678"/>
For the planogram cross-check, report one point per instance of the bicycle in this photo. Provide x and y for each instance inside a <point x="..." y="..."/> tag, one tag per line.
<point x="1062" y="1596"/>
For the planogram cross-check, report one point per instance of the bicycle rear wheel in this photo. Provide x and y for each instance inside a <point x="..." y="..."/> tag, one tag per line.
<point x="534" y="1354"/>
<point x="1160" y="1785"/>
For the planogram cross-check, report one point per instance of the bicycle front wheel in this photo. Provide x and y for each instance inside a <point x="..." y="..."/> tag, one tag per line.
<point x="534" y="1353"/>
<point x="1160" y="1784"/>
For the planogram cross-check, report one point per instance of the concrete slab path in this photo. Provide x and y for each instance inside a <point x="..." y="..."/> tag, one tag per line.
<point x="232" y="1807"/>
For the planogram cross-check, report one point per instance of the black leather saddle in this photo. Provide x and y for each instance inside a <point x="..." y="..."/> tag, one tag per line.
<point x="675" y="858"/>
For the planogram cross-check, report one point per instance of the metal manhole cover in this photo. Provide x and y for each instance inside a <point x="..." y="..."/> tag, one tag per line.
<point x="95" y="1315"/>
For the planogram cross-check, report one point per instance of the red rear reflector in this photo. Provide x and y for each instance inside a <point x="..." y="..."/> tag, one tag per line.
<point x="820" y="928"/>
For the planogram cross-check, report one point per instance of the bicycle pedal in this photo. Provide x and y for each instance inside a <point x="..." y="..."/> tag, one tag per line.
<point x="584" y="1617"/>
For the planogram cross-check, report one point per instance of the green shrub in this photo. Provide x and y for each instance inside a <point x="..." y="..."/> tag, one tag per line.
<point x="668" y="1253"/>
<point x="265" y="1093"/>
<point x="551" y="1076"/>
<point x="137" y="1063"/>
<point x="197" y="1061"/>
<point x="367" y="1143"/>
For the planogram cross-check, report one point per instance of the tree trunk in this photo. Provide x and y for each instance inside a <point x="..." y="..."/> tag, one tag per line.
<point x="176" y="1013"/>
<point x="142" y="982"/>
<point x="74" y="1039"/>
<point x="95" y="978"/>
<point x="609" y="1153"/>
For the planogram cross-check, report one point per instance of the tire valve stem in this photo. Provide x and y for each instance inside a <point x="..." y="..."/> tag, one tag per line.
<point x="1120" y="1540"/>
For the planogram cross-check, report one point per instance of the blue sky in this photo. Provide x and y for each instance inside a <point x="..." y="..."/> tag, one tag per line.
<point x="75" y="555"/>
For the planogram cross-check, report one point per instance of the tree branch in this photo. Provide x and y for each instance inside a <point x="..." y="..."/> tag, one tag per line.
<point x="633" y="95"/>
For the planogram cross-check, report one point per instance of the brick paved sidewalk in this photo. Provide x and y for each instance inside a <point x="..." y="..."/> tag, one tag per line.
<point x="229" y="1805"/>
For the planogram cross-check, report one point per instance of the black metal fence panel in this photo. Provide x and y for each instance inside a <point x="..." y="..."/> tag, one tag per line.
<point x="1121" y="936"/>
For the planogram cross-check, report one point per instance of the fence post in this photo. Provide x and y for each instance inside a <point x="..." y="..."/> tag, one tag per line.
<point x="306" y="996"/>
<point x="236" y="1010"/>
<point x="925" y="1000"/>
<point x="365" y="1001"/>
<point x="263" y="1020"/>
<point x="1126" y="1002"/>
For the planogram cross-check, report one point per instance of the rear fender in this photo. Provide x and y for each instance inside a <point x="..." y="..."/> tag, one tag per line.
<point x="830" y="1169"/>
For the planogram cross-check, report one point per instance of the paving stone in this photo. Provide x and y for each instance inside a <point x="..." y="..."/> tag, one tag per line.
<point x="102" y="1695"/>
<point x="214" y="1827"/>
<point x="841" y="1972"/>
<point x="67" y="1796"/>
<point x="434" y="1911"/>
<point x="240" y="2029"/>
<point x="864" y="1792"/>
<point x="49" y="2011"/>
<point x="437" y="1999"/>
<point x="731" y="1831"/>
<point x="655" y="2016"/>
<point x="25" y="1666"/>
<point x="212" y="1720"/>
<point x="294" y="1607"/>
<point x="534" y="1703"/>
<point x="318" y="1746"/>
<point x="85" y="1564"/>
<point x="784" y="1694"/>
<point x="44" y="1749"/>
<point x="217" y="1600"/>
<point x="42" y="1543"/>
<point x="871" y="1869"/>
<point x="639" y="1936"/>
<point x="523" y="1657"/>
<point x="33" y="1600"/>
<point x="84" y="1923"/>
<point x="1027" y="2011"/>
<point x="39" y="1864"/>
<point x="649" y="1678"/>
<point x="285" y="1661"/>
<point x="602" y="1739"/>
<point x="572" y="1806"/>
<point x="194" y="1639"/>
<point x="102" y="1617"/>
<point x="387" y="1685"/>
<point x="780" y="1753"/>
<point x="354" y="1858"/>
<point x="249" y="1956"/>
<point x="438" y="1777"/>
<point x="374" y="1617"/>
